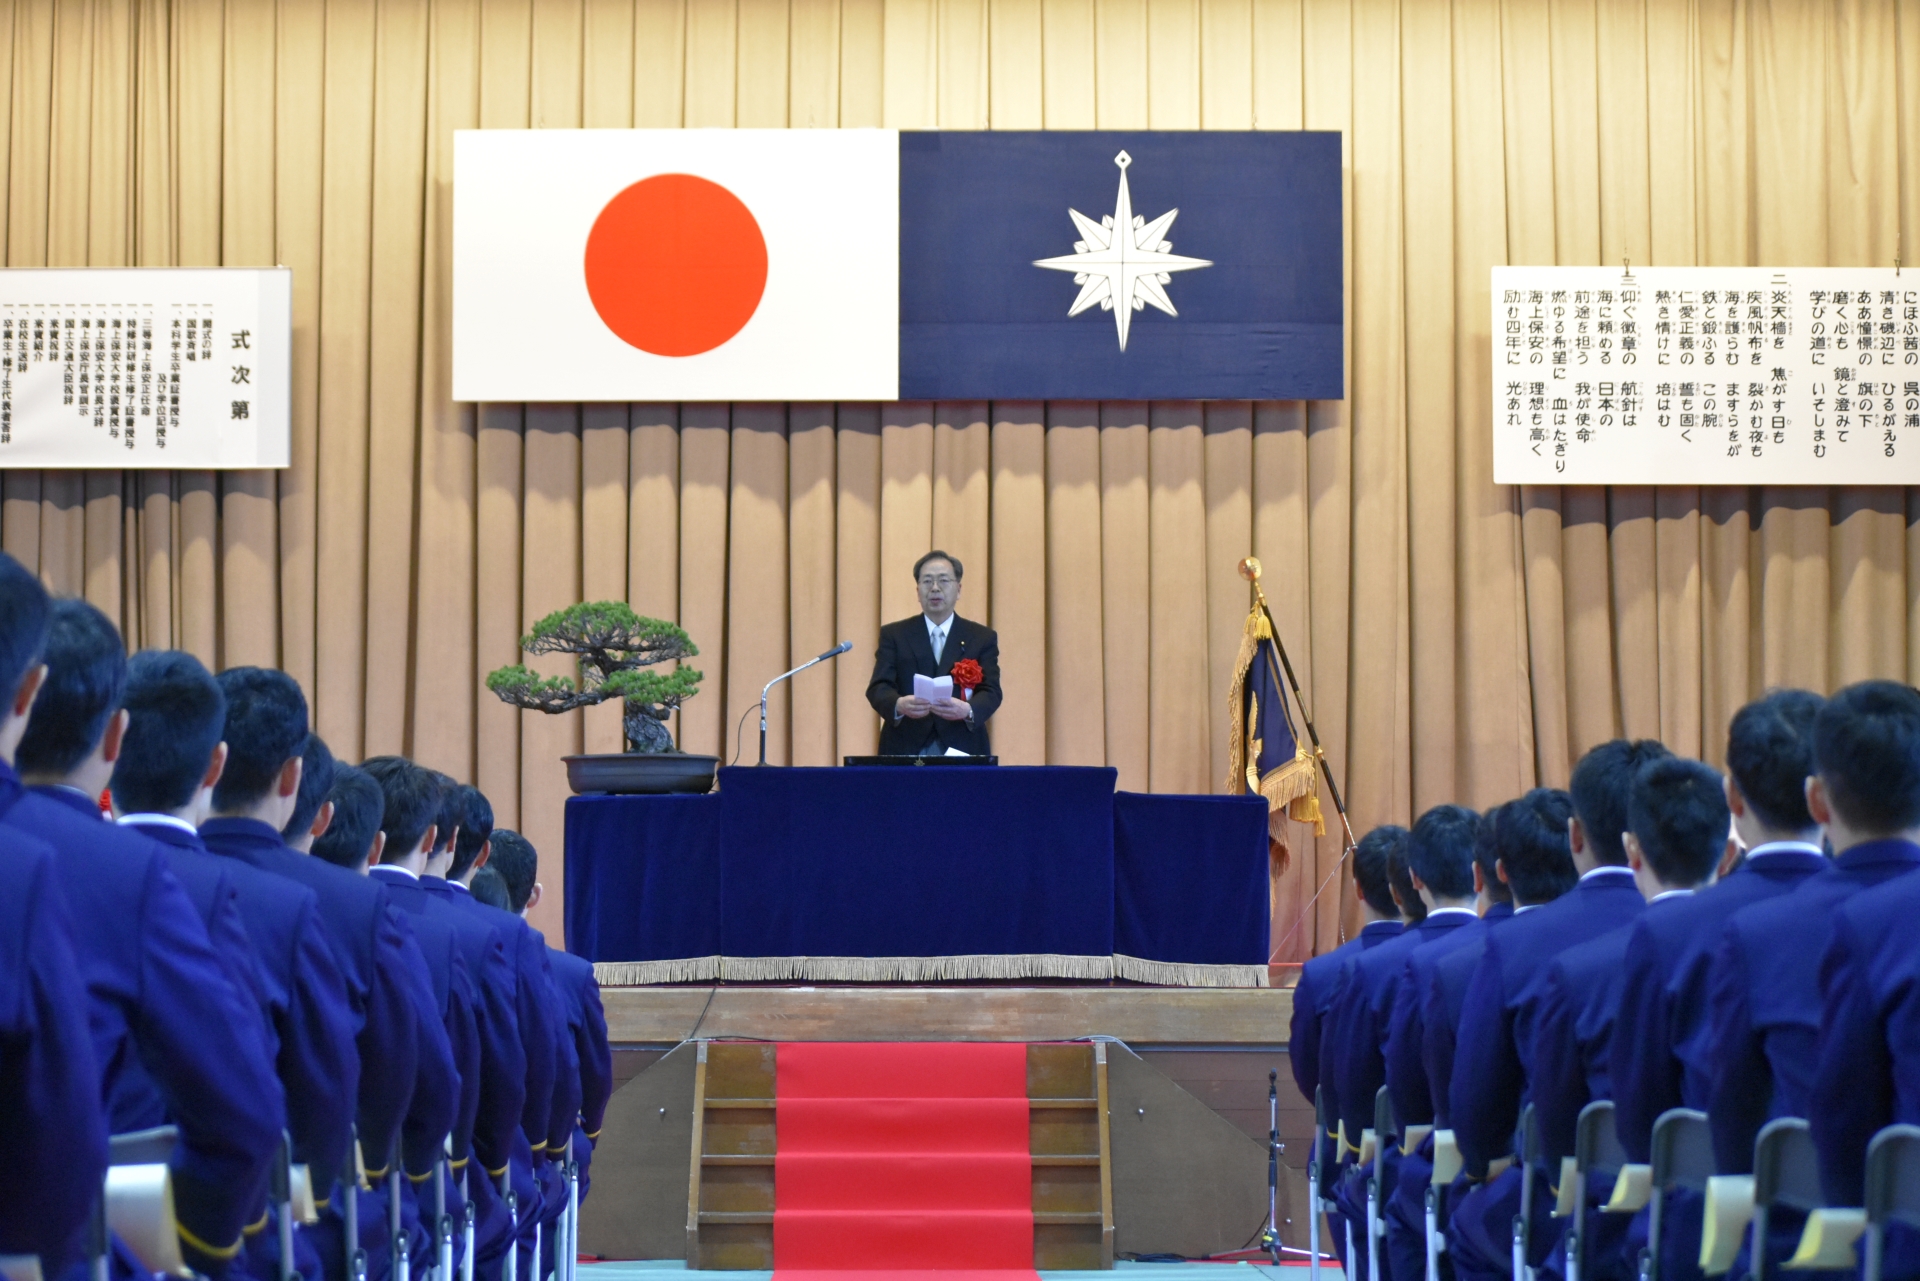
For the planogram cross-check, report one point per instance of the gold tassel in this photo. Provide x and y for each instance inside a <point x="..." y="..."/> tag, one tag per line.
<point x="1306" y="809"/>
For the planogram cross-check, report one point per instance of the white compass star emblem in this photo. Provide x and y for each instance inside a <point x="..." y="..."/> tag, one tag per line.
<point x="1123" y="260"/>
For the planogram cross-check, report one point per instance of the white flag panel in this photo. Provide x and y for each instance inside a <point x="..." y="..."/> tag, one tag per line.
<point x="1706" y="376"/>
<point x="145" y="367"/>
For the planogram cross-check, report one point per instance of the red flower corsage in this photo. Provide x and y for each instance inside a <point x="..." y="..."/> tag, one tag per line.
<point x="967" y="677"/>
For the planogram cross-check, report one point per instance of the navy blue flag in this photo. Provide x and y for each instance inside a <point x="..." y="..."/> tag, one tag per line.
<point x="1267" y="757"/>
<point x="1120" y="266"/>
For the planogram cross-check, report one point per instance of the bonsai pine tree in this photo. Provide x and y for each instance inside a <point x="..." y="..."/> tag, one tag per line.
<point x="615" y="646"/>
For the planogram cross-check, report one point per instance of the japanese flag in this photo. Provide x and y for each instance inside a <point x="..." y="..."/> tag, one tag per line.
<point x="676" y="264"/>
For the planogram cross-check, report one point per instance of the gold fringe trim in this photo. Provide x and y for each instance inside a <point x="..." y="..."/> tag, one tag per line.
<point x="692" y="969"/>
<point x="1174" y="974"/>
<point x="1251" y="635"/>
<point x="912" y="969"/>
<point x="1290" y="794"/>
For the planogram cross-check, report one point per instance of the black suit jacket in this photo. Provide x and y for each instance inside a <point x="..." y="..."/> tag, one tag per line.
<point x="904" y="652"/>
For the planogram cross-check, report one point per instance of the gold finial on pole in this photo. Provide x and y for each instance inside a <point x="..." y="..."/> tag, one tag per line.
<point x="1250" y="569"/>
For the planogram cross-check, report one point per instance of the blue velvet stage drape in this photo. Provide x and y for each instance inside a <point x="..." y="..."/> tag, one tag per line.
<point x="902" y="874"/>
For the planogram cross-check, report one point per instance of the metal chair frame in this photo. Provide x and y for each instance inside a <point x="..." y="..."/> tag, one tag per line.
<point x="1786" y="1172"/>
<point x="1596" y="1149"/>
<point x="1682" y="1158"/>
<point x="1383" y="1126"/>
<point x="1893" y="1190"/>
<point x="1530" y="1155"/>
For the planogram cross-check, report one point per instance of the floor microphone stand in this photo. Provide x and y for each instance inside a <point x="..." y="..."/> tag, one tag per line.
<point x="841" y="648"/>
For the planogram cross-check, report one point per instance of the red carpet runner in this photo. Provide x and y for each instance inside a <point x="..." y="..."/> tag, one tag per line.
<point x="902" y="1159"/>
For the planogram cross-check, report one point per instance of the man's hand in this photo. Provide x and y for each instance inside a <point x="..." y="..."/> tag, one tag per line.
<point x="950" y="709"/>
<point x="912" y="708"/>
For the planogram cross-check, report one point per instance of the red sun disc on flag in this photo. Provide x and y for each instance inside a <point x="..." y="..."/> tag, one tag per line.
<point x="676" y="265"/>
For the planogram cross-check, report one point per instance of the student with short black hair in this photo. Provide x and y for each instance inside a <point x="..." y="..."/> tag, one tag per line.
<point x="52" y="1127"/>
<point x="476" y="827"/>
<point x="172" y="760"/>
<point x="516" y="864"/>
<point x="353" y="839"/>
<point x="1676" y="838"/>
<point x="1765" y="999"/>
<point x="408" y="1093"/>
<point x="311" y="810"/>
<point x="1492" y="1068"/>
<point x="491" y="890"/>
<point x="177" y="1027"/>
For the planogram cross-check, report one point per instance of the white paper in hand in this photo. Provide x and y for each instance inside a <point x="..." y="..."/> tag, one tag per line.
<point x="954" y="751"/>
<point x="932" y="688"/>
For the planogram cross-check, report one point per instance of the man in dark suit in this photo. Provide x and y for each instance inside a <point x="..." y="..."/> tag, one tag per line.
<point x="929" y="646"/>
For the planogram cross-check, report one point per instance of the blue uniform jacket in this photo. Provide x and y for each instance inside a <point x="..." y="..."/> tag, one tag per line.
<point x="306" y="1000"/>
<point x="1412" y="1092"/>
<point x="52" y="1128"/>
<point x="536" y="1010"/>
<point x="1312" y="996"/>
<point x="503" y="1062"/>
<point x="1764" y="998"/>
<point x="175" y="1041"/>
<point x="1573" y="1036"/>
<point x="406" y="1065"/>
<point x="1661" y="1057"/>
<point x="1442" y="993"/>
<point x="587" y="1022"/>
<point x="454" y="999"/>
<point x="1366" y="1004"/>
<point x="1867" y="1074"/>
<point x="1495" y="1037"/>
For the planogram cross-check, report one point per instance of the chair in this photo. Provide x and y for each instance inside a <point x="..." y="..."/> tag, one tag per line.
<point x="1530" y="1156"/>
<point x="442" y="1222"/>
<point x="1786" y="1173"/>
<point x="1316" y="1184"/>
<point x="1596" y="1153"/>
<point x="1682" y="1158"/>
<point x="512" y="1269"/>
<point x="1893" y="1189"/>
<point x="354" y="1257"/>
<point x="1385" y="1129"/>
<point x="402" y="1263"/>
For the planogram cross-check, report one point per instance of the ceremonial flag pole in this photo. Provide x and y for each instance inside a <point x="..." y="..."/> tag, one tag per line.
<point x="1267" y="757"/>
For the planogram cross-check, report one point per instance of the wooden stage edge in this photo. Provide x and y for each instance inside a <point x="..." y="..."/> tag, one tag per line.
<point x="1227" y="1018"/>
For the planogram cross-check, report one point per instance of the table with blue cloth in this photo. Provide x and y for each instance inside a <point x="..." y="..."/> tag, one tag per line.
<point x="901" y="874"/>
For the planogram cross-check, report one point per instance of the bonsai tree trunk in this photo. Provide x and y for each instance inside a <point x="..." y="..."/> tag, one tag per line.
<point x="645" y="732"/>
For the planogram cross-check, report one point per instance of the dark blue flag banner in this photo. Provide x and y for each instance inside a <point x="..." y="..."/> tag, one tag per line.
<point x="1120" y="265"/>
<point x="1267" y="757"/>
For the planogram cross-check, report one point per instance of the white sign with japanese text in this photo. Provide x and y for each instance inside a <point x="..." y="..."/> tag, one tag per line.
<point x="1706" y="376"/>
<point x="145" y="367"/>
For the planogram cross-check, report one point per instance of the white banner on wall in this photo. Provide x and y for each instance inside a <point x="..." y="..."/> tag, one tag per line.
<point x="1706" y="376"/>
<point x="145" y="367"/>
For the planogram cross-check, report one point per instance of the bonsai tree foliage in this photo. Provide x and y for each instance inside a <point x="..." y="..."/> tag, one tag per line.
<point x="615" y="646"/>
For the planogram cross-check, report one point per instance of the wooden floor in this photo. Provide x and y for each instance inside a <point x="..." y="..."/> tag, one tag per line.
<point x="1141" y="1016"/>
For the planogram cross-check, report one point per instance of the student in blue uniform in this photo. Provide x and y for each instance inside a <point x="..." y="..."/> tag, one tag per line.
<point x="1866" y="790"/>
<point x="410" y="801"/>
<point x="52" y="1128"/>
<point x="1676" y="840"/>
<point x="1320" y="977"/>
<point x="1440" y="864"/>
<point x="1346" y="1188"/>
<point x="1765" y="1001"/>
<point x="409" y="1086"/>
<point x="162" y="786"/>
<point x="179" y="1043"/>
<point x="517" y="864"/>
<point x="579" y="994"/>
<point x="1495" y="1037"/>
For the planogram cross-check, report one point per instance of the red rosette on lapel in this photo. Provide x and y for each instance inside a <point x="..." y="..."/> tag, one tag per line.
<point x="967" y="677"/>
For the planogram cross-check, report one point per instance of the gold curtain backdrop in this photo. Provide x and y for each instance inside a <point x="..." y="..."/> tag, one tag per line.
<point x="1458" y="640"/>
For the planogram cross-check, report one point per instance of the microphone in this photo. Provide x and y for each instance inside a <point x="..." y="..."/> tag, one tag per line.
<point x="837" y="650"/>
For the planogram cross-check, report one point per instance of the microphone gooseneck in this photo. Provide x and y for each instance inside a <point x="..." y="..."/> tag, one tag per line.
<point x="841" y="648"/>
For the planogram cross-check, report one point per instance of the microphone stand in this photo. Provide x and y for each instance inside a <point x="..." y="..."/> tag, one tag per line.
<point x="837" y="650"/>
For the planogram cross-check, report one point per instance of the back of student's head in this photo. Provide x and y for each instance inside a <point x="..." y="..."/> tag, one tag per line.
<point x="23" y="622"/>
<point x="476" y="827"/>
<point x="488" y="887"/>
<point x="1770" y="754"/>
<point x="266" y="727"/>
<point x="1677" y="811"/>
<point x="1486" y="854"/>
<point x="175" y="712"/>
<point x="1866" y="749"/>
<point x="412" y="801"/>
<point x="514" y="859"/>
<point x="1400" y="876"/>
<point x="317" y="768"/>
<point x="1440" y="850"/>
<point x="446" y="819"/>
<point x="1531" y="835"/>
<point x="86" y="677"/>
<point x="1600" y="785"/>
<point x="358" y="805"/>
<point x="1371" y="860"/>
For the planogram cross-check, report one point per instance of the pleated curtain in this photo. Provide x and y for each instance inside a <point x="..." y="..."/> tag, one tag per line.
<point x="1458" y="641"/>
